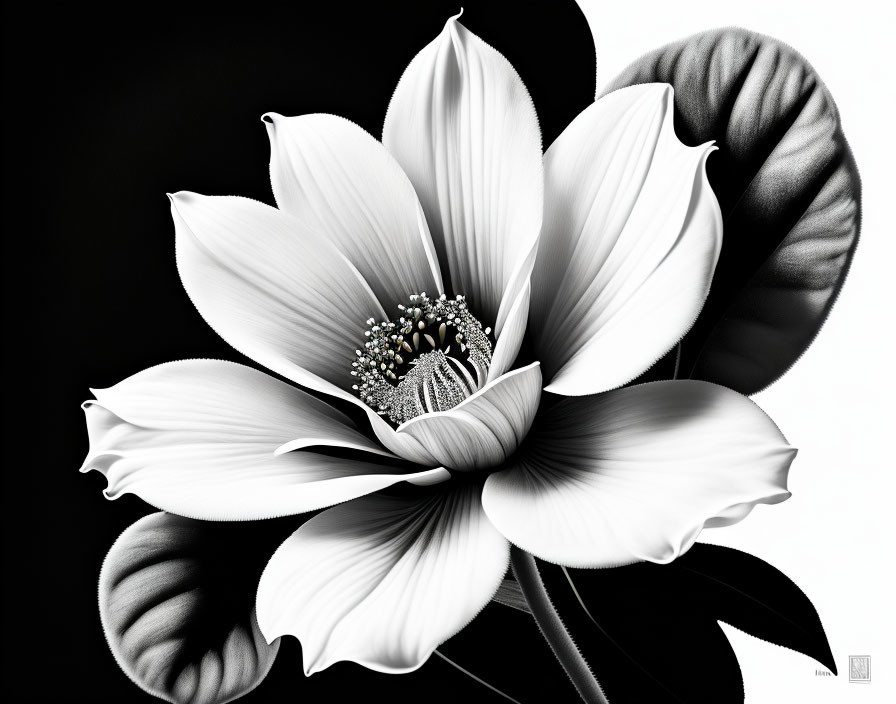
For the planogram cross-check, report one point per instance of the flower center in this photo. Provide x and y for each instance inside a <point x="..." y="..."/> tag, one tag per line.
<point x="431" y="358"/>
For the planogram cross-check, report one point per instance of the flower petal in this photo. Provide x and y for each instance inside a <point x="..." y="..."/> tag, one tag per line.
<point x="637" y="473"/>
<point x="513" y="317"/>
<point x="631" y="237"/>
<point x="487" y="427"/>
<point x="463" y="127"/>
<point x="382" y="581"/>
<point x="278" y="293"/>
<point x="198" y="438"/>
<point x="293" y="304"/>
<point x="508" y="343"/>
<point x="342" y="183"/>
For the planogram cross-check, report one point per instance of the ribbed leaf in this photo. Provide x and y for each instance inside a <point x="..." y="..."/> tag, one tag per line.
<point x="789" y="191"/>
<point x="177" y="602"/>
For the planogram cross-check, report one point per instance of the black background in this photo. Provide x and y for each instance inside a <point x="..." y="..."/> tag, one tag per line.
<point x="108" y="107"/>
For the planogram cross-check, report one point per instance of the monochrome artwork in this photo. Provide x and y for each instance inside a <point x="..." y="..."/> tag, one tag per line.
<point x="443" y="404"/>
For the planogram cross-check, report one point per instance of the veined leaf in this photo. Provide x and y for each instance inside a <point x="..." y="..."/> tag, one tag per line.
<point x="789" y="192"/>
<point x="177" y="602"/>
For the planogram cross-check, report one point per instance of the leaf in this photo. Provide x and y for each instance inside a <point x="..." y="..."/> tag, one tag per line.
<point x="651" y="633"/>
<point x="177" y="603"/>
<point x="788" y="188"/>
<point x="750" y="594"/>
<point x="643" y="638"/>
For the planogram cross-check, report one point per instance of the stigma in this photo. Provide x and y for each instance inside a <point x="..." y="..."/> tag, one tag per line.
<point x="429" y="359"/>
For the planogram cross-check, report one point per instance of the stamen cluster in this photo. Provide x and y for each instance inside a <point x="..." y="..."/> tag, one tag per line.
<point x="424" y="361"/>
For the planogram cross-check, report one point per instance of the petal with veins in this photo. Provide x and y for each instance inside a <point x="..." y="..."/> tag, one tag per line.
<point x="486" y="428"/>
<point x="341" y="183"/>
<point x="631" y="236"/>
<point x="463" y="127"/>
<point x="382" y="581"/>
<point x="512" y="318"/>
<point x="198" y="438"/>
<point x="637" y="473"/>
<point x="508" y="345"/>
<point x="286" y="298"/>
<point x="292" y="303"/>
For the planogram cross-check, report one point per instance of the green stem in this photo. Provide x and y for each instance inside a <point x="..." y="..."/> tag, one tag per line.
<point x="548" y="620"/>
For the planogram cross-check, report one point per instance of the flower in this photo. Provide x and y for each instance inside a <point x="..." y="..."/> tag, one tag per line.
<point x="405" y="278"/>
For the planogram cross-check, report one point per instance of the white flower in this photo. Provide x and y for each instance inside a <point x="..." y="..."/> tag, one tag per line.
<point x="457" y="201"/>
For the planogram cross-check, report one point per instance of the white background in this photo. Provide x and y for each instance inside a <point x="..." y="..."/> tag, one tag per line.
<point x="834" y="537"/>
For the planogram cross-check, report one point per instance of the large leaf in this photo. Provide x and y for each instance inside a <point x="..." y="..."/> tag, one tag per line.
<point x="642" y="636"/>
<point x="749" y="594"/>
<point x="789" y="192"/>
<point x="177" y="602"/>
<point x="650" y="632"/>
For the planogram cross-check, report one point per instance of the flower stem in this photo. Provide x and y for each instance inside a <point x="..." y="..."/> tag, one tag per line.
<point x="552" y="628"/>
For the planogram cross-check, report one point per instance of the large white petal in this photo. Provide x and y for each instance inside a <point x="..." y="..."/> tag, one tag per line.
<point x="286" y="298"/>
<point x="343" y="184"/>
<point x="463" y="127"/>
<point x="631" y="236"/>
<point x="198" y="438"/>
<point x="486" y="428"/>
<point x="637" y="473"/>
<point x="382" y="581"/>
